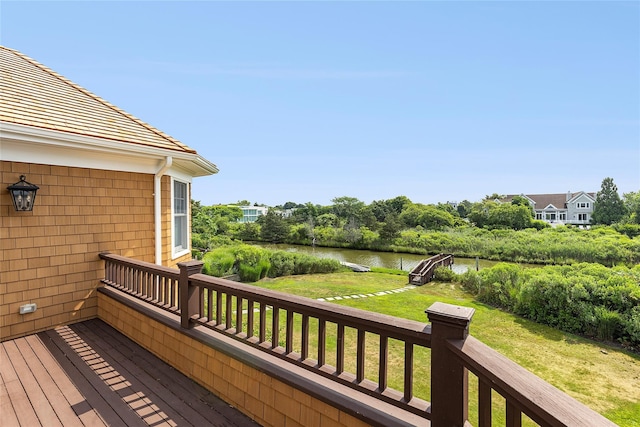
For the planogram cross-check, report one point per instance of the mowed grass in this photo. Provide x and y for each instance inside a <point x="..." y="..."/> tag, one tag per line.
<point x="602" y="377"/>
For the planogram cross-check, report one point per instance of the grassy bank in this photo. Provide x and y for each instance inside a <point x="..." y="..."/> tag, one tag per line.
<point x="602" y="377"/>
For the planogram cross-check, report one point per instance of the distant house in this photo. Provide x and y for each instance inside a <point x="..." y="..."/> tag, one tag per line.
<point x="107" y="182"/>
<point x="563" y="208"/>
<point x="252" y="213"/>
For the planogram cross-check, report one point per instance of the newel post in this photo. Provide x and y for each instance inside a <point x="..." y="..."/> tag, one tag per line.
<point x="449" y="379"/>
<point x="188" y="294"/>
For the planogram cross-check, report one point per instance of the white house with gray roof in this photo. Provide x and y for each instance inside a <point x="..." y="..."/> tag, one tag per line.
<point x="562" y="208"/>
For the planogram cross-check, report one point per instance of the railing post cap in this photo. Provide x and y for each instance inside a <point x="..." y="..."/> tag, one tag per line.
<point x="450" y="313"/>
<point x="190" y="263"/>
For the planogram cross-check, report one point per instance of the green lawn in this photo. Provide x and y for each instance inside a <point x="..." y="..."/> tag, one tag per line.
<point x="600" y="376"/>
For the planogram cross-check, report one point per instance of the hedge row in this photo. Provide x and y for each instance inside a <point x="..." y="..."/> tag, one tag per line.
<point x="587" y="299"/>
<point x="252" y="263"/>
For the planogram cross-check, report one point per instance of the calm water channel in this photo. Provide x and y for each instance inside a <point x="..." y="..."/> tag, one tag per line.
<point x="376" y="259"/>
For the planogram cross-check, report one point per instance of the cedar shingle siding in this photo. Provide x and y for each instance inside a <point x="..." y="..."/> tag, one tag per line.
<point x="95" y="165"/>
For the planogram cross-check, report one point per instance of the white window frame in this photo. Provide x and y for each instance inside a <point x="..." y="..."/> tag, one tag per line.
<point x="583" y="205"/>
<point x="179" y="250"/>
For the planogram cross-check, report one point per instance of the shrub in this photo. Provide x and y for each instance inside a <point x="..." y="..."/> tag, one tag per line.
<point x="471" y="281"/>
<point x="631" y="325"/>
<point x="444" y="274"/>
<point x="253" y="272"/>
<point x="607" y="323"/>
<point x="500" y="285"/>
<point x="282" y="264"/>
<point x="219" y="262"/>
<point x="253" y="263"/>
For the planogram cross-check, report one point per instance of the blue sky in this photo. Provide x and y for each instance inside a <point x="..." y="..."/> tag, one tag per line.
<point x="309" y="101"/>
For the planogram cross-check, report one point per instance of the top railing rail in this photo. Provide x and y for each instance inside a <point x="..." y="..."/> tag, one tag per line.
<point x="524" y="392"/>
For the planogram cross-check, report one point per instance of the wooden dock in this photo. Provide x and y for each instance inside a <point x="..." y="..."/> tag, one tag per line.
<point x="356" y="267"/>
<point x="424" y="271"/>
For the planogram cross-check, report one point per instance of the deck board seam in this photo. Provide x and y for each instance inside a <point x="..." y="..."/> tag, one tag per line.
<point x="50" y="389"/>
<point x="140" y="381"/>
<point x="20" y="401"/>
<point x="94" y="390"/>
<point x="176" y="382"/>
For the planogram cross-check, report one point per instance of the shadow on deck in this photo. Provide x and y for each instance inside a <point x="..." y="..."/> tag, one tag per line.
<point x="89" y="374"/>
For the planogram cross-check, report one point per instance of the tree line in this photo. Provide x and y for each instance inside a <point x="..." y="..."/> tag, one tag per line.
<point x="487" y="229"/>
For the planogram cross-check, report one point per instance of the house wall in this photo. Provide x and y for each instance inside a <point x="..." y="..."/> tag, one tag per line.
<point x="50" y="256"/>
<point x="573" y="210"/>
<point x="265" y="399"/>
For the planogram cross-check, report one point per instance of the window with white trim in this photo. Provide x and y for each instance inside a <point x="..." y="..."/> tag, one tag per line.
<point x="180" y="218"/>
<point x="583" y="205"/>
<point x="583" y="217"/>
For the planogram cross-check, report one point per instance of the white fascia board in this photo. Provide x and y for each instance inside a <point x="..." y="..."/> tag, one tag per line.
<point x="28" y="144"/>
<point x="580" y="195"/>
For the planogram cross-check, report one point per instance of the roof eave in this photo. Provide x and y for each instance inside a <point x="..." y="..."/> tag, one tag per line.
<point x="191" y="162"/>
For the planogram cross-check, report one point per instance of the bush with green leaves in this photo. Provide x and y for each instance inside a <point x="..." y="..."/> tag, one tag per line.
<point x="253" y="263"/>
<point x="585" y="298"/>
<point x="470" y="281"/>
<point x="444" y="274"/>
<point x="219" y="262"/>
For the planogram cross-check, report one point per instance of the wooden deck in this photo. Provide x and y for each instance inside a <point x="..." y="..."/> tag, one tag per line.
<point x="88" y="374"/>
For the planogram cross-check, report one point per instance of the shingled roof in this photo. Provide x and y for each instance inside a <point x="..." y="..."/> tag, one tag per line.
<point x="33" y="95"/>
<point x="558" y="200"/>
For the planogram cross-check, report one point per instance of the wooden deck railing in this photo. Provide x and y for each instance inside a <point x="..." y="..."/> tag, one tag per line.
<point x="425" y="270"/>
<point x="313" y="334"/>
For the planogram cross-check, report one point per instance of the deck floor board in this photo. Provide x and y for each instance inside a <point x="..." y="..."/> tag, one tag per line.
<point x="88" y="374"/>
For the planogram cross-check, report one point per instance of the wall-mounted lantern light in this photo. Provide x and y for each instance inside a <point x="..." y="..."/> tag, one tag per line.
<point x="23" y="194"/>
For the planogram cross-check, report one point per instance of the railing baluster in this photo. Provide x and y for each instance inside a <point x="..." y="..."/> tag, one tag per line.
<point x="305" y="337"/>
<point x="167" y="297"/>
<point x="360" y="352"/>
<point x="218" y="308"/>
<point x="210" y="304"/>
<point x="275" y="326"/>
<point x="145" y="283"/>
<point x="228" y="315"/>
<point x="322" y="342"/>
<point x="176" y="293"/>
<point x="289" y="333"/>
<point x="340" y="350"/>
<point x="162" y="291"/>
<point x="262" y="323"/>
<point x="250" y="304"/>
<point x="383" y="363"/>
<point x="202" y="302"/>
<point x="173" y="293"/>
<point x="238" y="315"/>
<point x="408" y="371"/>
<point x="484" y="404"/>
<point x="166" y="291"/>
<point x="514" y="416"/>
<point x="150" y="285"/>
